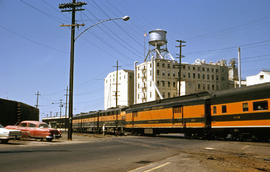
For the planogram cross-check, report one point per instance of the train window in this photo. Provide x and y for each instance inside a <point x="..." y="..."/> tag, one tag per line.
<point x="245" y="107"/>
<point x="224" y="109"/>
<point x="214" y="110"/>
<point x="261" y="105"/>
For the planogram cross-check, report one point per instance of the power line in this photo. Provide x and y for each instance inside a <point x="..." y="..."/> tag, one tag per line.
<point x="231" y="28"/>
<point x="31" y="40"/>
<point x="129" y="35"/>
<point x="52" y="17"/>
<point x="115" y="37"/>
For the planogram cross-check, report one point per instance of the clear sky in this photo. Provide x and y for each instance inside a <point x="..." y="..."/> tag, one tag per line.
<point x="34" y="49"/>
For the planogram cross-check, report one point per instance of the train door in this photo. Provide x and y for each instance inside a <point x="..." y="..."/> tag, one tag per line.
<point x="177" y="117"/>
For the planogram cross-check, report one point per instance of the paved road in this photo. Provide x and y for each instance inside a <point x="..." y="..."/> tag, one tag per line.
<point x="129" y="153"/>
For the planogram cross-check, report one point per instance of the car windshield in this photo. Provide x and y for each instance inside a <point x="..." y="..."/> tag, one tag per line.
<point x="43" y="126"/>
<point x="1" y="126"/>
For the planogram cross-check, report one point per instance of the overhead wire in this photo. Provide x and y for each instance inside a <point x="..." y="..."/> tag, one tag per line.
<point x="115" y="37"/>
<point x="52" y="17"/>
<point x="31" y="40"/>
<point x="119" y="26"/>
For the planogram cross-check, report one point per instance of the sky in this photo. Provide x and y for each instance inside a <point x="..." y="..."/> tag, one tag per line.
<point x="35" y="50"/>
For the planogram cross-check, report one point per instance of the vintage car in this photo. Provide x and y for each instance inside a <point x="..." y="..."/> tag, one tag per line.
<point x="6" y="134"/>
<point x="36" y="129"/>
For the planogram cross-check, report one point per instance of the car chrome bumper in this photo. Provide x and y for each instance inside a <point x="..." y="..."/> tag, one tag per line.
<point x="56" y="136"/>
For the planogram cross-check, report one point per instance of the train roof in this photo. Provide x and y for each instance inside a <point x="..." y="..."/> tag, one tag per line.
<point x="196" y="98"/>
<point x="258" y="91"/>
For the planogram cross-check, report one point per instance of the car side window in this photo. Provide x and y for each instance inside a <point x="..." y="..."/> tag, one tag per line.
<point x="214" y="110"/>
<point x="23" y="124"/>
<point x="224" y="109"/>
<point x="261" y="105"/>
<point x="32" y="125"/>
<point x="245" y="107"/>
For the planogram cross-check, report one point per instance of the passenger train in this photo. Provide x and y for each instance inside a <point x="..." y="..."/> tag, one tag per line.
<point x="239" y="113"/>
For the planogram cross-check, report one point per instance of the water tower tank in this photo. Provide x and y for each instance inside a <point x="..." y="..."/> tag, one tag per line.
<point x="157" y="37"/>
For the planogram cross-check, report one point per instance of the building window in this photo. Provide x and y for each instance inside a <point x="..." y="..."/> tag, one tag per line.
<point x="217" y="87"/>
<point x="213" y="77"/>
<point x="203" y="76"/>
<point x="199" y="86"/>
<point x="163" y="65"/>
<point x="207" y="69"/>
<point x="157" y="64"/>
<point x="169" y="73"/>
<point x="261" y="105"/>
<point x="245" y="107"/>
<point x="163" y="73"/>
<point x="163" y="83"/>
<point x="217" y="77"/>
<point x="224" y="109"/>
<point x="193" y="68"/>
<point x="188" y="75"/>
<point x="193" y="75"/>
<point x="150" y="83"/>
<point x="208" y="76"/>
<point x="208" y="87"/>
<point x="212" y="69"/>
<point x="173" y="84"/>
<point x="157" y="72"/>
<point x="199" y="68"/>
<point x="203" y="69"/>
<point x="138" y="75"/>
<point x="169" y="66"/>
<point x="150" y="65"/>
<point x="261" y="76"/>
<point x="199" y="76"/>
<point x="163" y="95"/>
<point x="169" y="84"/>
<point x="184" y="66"/>
<point x="222" y="78"/>
<point x="213" y="87"/>
<point x="216" y="70"/>
<point x="203" y="87"/>
<point x="138" y="85"/>
<point x="173" y="74"/>
<point x="157" y="83"/>
<point x="169" y="95"/>
<point x="214" y="110"/>
<point x="184" y="75"/>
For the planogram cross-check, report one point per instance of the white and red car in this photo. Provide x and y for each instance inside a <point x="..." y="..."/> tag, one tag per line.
<point x="36" y="129"/>
<point x="6" y="134"/>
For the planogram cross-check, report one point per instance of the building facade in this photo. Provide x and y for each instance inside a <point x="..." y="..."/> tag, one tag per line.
<point x="125" y="84"/>
<point x="261" y="77"/>
<point x="158" y="78"/>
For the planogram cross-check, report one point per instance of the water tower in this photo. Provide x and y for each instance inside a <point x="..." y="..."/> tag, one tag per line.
<point x="158" y="45"/>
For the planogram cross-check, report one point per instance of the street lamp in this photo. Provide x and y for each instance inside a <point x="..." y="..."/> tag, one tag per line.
<point x="70" y="114"/>
<point x="125" y="18"/>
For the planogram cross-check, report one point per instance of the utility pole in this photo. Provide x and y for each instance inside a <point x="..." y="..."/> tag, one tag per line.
<point x="239" y="66"/>
<point x="66" y="108"/>
<point x="72" y="7"/>
<point x="37" y="94"/>
<point x="60" y="106"/>
<point x="116" y="85"/>
<point x="180" y="61"/>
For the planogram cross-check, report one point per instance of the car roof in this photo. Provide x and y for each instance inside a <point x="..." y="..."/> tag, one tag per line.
<point x="34" y="122"/>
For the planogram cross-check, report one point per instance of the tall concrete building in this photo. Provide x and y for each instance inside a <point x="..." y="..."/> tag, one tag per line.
<point x="157" y="77"/>
<point x="125" y="89"/>
<point x="160" y="77"/>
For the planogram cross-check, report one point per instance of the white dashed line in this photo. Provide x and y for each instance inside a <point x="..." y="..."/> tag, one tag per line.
<point x="162" y="165"/>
